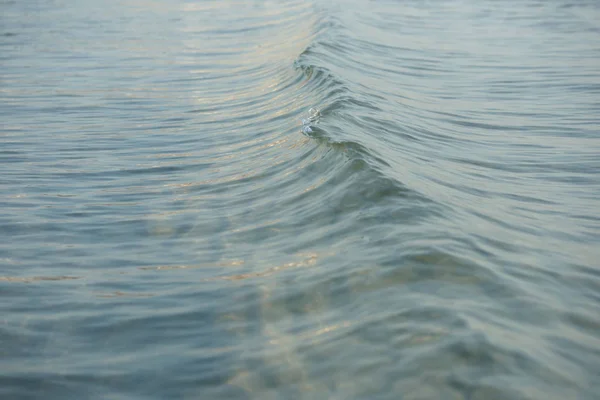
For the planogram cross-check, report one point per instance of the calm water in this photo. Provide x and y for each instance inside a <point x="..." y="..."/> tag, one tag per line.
<point x="168" y="231"/>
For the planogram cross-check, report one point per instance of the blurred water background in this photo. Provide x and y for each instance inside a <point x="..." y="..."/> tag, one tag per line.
<point x="169" y="228"/>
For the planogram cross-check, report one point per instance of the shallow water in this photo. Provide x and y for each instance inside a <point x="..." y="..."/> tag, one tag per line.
<point x="170" y="229"/>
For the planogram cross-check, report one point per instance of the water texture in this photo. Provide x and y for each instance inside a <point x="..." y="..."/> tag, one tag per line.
<point x="176" y="224"/>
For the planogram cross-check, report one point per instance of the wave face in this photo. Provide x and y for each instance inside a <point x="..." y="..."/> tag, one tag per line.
<point x="171" y="229"/>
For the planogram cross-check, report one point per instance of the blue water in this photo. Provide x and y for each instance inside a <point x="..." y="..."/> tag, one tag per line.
<point x="169" y="228"/>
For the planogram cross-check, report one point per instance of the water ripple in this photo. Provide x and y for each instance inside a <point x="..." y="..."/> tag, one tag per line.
<point x="170" y="228"/>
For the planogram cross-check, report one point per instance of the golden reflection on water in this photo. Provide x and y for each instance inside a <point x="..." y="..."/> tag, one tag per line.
<point x="232" y="263"/>
<point x="280" y="343"/>
<point x="266" y="64"/>
<point x="279" y="153"/>
<point x="309" y="260"/>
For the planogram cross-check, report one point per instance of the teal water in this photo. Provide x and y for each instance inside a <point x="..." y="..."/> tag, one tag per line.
<point x="170" y="230"/>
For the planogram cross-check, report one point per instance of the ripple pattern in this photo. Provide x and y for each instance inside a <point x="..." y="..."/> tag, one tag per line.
<point x="171" y="229"/>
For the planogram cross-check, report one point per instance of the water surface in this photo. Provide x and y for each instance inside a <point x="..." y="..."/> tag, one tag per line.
<point x="169" y="230"/>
